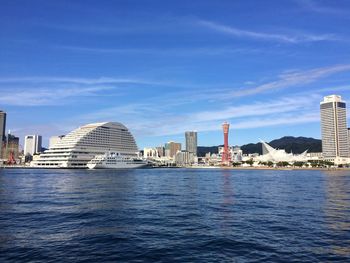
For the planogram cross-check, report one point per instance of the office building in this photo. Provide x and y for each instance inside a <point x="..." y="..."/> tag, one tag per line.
<point x="32" y="144"/>
<point x="2" y="131"/>
<point x="335" y="145"/>
<point x="349" y="139"/>
<point x="183" y="158"/>
<point x="171" y="148"/>
<point x="191" y="142"/>
<point x="161" y="151"/>
<point x="80" y="146"/>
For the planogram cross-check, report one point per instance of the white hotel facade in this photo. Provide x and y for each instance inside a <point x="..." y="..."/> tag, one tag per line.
<point x="78" y="147"/>
<point x="335" y="142"/>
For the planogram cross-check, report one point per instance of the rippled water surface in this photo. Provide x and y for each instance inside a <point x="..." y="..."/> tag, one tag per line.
<point x="167" y="215"/>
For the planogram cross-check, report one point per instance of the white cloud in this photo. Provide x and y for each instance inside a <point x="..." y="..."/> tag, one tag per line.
<point x="286" y="119"/>
<point x="279" y="105"/>
<point x="149" y="117"/>
<point x="85" y="81"/>
<point x="292" y="39"/>
<point x="316" y="6"/>
<point x="292" y="79"/>
<point x="42" y="91"/>
<point x="47" y="96"/>
<point x="155" y="120"/>
<point x="199" y="51"/>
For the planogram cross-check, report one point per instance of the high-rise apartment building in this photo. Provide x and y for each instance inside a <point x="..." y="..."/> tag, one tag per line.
<point x="32" y="144"/>
<point x="2" y="131"/>
<point x="349" y="139"/>
<point x="2" y="125"/>
<point x="171" y="148"/>
<point x="335" y="144"/>
<point x="161" y="151"/>
<point x="191" y="142"/>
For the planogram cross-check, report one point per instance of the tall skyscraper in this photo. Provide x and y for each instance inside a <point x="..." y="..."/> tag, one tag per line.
<point x="191" y="142"/>
<point x="349" y="139"/>
<point x="335" y="142"/>
<point x="32" y="144"/>
<point x="2" y="131"/>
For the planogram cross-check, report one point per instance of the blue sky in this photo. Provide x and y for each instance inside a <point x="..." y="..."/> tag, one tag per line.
<point x="164" y="67"/>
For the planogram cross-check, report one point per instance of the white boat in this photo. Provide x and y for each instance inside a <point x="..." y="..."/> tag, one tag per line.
<point x="115" y="160"/>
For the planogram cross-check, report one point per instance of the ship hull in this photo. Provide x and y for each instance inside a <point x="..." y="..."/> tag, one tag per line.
<point x="118" y="166"/>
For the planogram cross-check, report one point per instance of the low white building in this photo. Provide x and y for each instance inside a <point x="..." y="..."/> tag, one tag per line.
<point x="279" y="155"/>
<point x="236" y="154"/>
<point x="150" y="153"/>
<point x="315" y="156"/>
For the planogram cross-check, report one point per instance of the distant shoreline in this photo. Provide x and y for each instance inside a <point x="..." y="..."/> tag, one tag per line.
<point x="199" y="167"/>
<point x="267" y="168"/>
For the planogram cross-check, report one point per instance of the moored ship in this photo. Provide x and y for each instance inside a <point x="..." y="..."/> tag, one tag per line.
<point x="115" y="160"/>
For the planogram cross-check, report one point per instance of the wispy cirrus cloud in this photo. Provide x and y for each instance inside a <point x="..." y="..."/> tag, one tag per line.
<point x="262" y="108"/>
<point x="143" y="117"/>
<point x="289" y="119"/>
<point x="283" y="81"/>
<point x="48" y="96"/>
<point x="92" y="29"/>
<point x="292" y="79"/>
<point x="199" y="51"/>
<point x="282" y="38"/>
<point x="48" y="90"/>
<point x="296" y="108"/>
<point x="84" y="81"/>
<point x="114" y="28"/>
<point x="318" y="7"/>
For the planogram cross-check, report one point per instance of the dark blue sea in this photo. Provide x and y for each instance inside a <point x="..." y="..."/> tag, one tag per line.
<point x="174" y="215"/>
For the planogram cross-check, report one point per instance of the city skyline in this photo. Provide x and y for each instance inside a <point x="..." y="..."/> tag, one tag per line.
<point x="162" y="69"/>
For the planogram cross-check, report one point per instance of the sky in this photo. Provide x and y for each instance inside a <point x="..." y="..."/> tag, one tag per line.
<point x="165" y="67"/>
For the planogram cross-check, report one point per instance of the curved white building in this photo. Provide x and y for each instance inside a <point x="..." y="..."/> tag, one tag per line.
<point x="80" y="146"/>
<point x="277" y="155"/>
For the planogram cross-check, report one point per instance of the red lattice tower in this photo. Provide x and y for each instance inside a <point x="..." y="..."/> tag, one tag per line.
<point x="225" y="155"/>
<point x="11" y="160"/>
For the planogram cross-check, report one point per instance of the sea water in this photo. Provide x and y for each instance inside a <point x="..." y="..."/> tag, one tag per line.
<point x="174" y="215"/>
